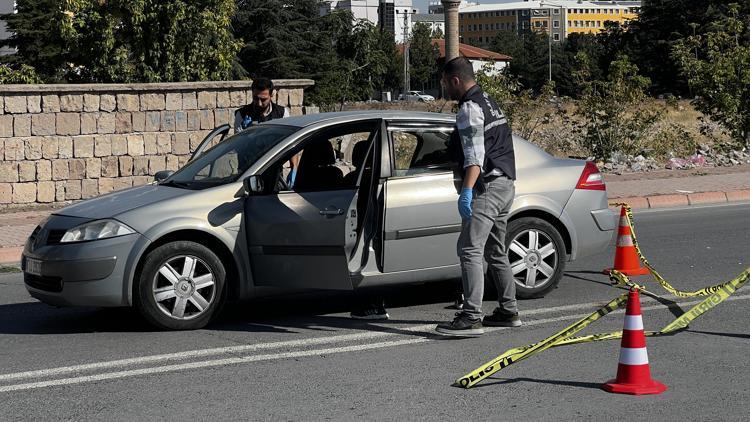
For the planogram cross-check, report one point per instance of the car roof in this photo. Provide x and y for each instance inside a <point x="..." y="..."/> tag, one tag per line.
<point x="349" y="116"/>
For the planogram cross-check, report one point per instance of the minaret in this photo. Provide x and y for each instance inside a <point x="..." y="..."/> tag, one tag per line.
<point x="450" y="8"/>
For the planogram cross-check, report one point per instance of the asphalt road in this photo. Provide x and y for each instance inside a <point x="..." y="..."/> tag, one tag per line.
<point x="302" y="358"/>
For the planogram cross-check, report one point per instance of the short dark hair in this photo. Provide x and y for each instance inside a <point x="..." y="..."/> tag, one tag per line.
<point x="461" y="67"/>
<point x="262" y="84"/>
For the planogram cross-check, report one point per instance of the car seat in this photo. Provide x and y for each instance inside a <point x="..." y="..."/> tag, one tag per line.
<point x="317" y="170"/>
<point x="359" y="153"/>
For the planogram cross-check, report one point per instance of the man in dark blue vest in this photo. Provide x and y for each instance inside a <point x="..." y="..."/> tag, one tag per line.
<point x="483" y="147"/>
<point x="261" y="108"/>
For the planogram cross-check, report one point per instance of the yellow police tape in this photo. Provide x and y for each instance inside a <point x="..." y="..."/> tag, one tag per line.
<point x="716" y="294"/>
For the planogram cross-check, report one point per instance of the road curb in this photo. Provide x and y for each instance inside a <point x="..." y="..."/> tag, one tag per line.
<point x="11" y="255"/>
<point x="681" y="200"/>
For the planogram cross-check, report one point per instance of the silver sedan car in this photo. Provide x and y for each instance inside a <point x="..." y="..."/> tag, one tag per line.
<point x="372" y="203"/>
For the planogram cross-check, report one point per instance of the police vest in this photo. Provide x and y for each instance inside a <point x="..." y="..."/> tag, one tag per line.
<point x="498" y="140"/>
<point x="277" y="112"/>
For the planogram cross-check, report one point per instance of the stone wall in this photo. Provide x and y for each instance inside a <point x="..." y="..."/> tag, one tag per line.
<point x="60" y="143"/>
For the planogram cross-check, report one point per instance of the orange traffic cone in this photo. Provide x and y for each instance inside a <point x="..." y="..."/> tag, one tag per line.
<point x="633" y="372"/>
<point x="626" y="257"/>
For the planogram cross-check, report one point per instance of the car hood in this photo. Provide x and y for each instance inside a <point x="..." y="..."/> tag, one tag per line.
<point x="112" y="204"/>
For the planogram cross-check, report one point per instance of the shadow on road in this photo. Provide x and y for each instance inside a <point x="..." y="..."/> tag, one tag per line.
<point x="504" y="381"/>
<point x="734" y="335"/>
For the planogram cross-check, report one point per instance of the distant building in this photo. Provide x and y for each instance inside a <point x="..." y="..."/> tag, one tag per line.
<point x="433" y="20"/>
<point x="436" y="6"/>
<point x="479" y="24"/>
<point x="361" y="9"/>
<point x="388" y="15"/>
<point x="6" y="6"/>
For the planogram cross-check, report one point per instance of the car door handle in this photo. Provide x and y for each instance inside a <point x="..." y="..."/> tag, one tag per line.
<point x="337" y="211"/>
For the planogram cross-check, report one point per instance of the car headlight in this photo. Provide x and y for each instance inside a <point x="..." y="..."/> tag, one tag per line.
<point x="99" y="229"/>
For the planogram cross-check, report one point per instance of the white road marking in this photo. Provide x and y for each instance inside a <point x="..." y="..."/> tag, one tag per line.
<point x="425" y="328"/>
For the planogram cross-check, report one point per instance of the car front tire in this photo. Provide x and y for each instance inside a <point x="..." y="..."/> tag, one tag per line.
<point x="180" y="286"/>
<point x="537" y="256"/>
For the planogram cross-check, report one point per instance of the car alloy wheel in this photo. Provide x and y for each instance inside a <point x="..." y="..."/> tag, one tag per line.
<point x="533" y="258"/>
<point x="184" y="287"/>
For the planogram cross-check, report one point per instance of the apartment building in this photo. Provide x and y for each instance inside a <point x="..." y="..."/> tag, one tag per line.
<point x="479" y="24"/>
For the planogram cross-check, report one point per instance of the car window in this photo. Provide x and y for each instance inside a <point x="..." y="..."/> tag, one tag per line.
<point x="226" y="161"/>
<point x="420" y="150"/>
<point x="331" y="159"/>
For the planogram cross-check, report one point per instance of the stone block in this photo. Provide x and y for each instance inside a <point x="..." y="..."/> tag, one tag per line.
<point x="123" y="122"/>
<point x="164" y="143"/>
<point x="180" y="121"/>
<point x="140" y="166"/>
<point x="167" y="121"/>
<point x="282" y="97"/>
<point x="43" y="124"/>
<point x="139" y="121"/>
<point x="71" y="102"/>
<point x="153" y="121"/>
<point x="128" y="102"/>
<point x="142" y="180"/>
<point x="135" y="145"/>
<point x="119" y="145"/>
<point x="44" y="170"/>
<point x="16" y="104"/>
<point x="83" y="146"/>
<point x="206" y="100"/>
<point x="102" y="146"/>
<point x="126" y="165"/>
<point x="8" y="172"/>
<point x="59" y="191"/>
<point x="173" y="163"/>
<point x="196" y="138"/>
<point x="110" y="167"/>
<point x="68" y="123"/>
<point x="33" y="148"/>
<point x="6" y="126"/>
<point x="193" y="120"/>
<point x="27" y="171"/>
<point x="238" y="98"/>
<point x="14" y="150"/>
<point x="107" y="102"/>
<point x="738" y="195"/>
<point x="89" y="188"/>
<point x="22" y="125"/>
<point x="64" y="147"/>
<point x="77" y="167"/>
<point x="89" y="123"/>
<point x="149" y="143"/>
<point x="181" y="143"/>
<point x="24" y="193"/>
<point x="34" y="103"/>
<point x="93" y="168"/>
<point x="45" y="191"/>
<point x="72" y="189"/>
<point x="91" y="102"/>
<point x="174" y="101"/>
<point x="183" y="159"/>
<point x="665" y="201"/>
<point x="295" y="111"/>
<point x="106" y="185"/>
<point x="223" y="100"/>
<point x="121" y="183"/>
<point x="6" y="192"/>
<point x="153" y="102"/>
<point x="296" y="97"/>
<point x="189" y="101"/>
<point x="156" y="163"/>
<point x="50" y="104"/>
<point x="207" y="119"/>
<point x="106" y="123"/>
<point x="50" y="147"/>
<point x="224" y="116"/>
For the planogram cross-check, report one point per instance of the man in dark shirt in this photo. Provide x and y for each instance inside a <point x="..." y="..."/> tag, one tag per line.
<point x="261" y="108"/>
<point x="483" y="146"/>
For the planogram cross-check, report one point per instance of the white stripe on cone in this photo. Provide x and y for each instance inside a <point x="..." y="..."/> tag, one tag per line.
<point x="633" y="322"/>
<point x="623" y="221"/>
<point x="633" y="356"/>
<point x="624" y="240"/>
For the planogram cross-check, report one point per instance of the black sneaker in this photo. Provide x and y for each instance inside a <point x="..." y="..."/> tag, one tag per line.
<point x="461" y="326"/>
<point x="501" y="319"/>
<point x="371" y="313"/>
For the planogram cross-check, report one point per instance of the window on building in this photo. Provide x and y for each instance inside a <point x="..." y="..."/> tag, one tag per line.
<point x="513" y="13"/>
<point x="555" y="11"/>
<point x="525" y="13"/>
<point x="556" y="24"/>
<point x="525" y="25"/>
<point x="569" y="23"/>
<point x="585" y="10"/>
<point x="598" y="24"/>
<point x="598" y="11"/>
<point x="461" y="28"/>
<point x="544" y="24"/>
<point x="556" y="37"/>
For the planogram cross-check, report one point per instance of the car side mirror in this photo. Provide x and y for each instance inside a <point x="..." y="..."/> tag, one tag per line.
<point x="253" y="185"/>
<point x="161" y="176"/>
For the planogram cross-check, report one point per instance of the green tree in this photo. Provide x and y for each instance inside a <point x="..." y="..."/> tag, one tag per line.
<point x="717" y="68"/>
<point x="614" y="113"/>
<point x="423" y="55"/>
<point x="438" y="34"/>
<point x="529" y="52"/>
<point x="23" y="75"/>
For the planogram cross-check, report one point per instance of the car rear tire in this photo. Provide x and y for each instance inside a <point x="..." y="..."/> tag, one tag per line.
<point x="537" y="256"/>
<point x="180" y="286"/>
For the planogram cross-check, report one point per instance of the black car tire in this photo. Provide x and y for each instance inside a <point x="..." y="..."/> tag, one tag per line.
<point x="144" y="286"/>
<point x="518" y="229"/>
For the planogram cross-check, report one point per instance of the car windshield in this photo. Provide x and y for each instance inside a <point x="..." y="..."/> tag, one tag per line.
<point x="228" y="160"/>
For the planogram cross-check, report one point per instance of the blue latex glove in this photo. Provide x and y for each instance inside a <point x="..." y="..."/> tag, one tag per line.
<point x="291" y="177"/>
<point x="246" y="122"/>
<point x="464" y="202"/>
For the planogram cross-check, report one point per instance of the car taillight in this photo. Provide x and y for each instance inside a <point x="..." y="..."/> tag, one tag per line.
<point x="591" y="178"/>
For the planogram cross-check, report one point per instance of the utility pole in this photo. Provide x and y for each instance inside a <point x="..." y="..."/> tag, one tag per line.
<point x="407" y="82"/>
